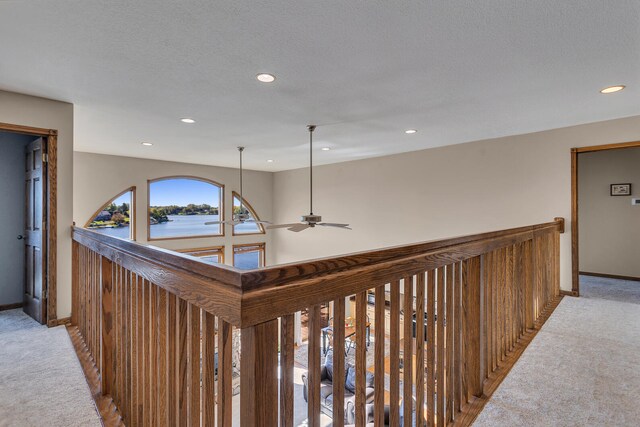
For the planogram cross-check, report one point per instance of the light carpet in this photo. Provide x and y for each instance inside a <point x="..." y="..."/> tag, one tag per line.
<point x="582" y="369"/>
<point x="41" y="381"/>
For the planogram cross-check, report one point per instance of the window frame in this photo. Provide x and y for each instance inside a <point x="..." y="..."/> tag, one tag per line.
<point x="252" y="211"/>
<point x="132" y="218"/>
<point x="261" y="247"/>
<point x="206" y="251"/>
<point x="189" y="177"/>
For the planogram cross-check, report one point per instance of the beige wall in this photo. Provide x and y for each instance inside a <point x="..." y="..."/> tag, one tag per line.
<point x="609" y="226"/>
<point x="441" y="192"/>
<point x="44" y="113"/>
<point x="119" y="173"/>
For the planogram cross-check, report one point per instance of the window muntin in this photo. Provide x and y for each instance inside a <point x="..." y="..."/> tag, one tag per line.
<point x="212" y="255"/>
<point x="116" y="218"/>
<point x="179" y="207"/>
<point x="248" y="257"/>
<point x="247" y="227"/>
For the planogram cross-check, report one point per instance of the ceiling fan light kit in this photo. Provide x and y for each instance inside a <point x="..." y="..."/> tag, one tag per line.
<point x="311" y="220"/>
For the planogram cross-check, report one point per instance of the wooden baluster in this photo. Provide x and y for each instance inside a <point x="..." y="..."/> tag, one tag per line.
<point x="394" y="350"/>
<point x="75" y="281"/>
<point x="183" y="409"/>
<point x="473" y="326"/>
<point x="162" y="402"/>
<point x="313" y="405"/>
<point x="457" y="343"/>
<point x="146" y="372"/>
<point x="172" y="359"/>
<point x="500" y="305"/>
<point x="408" y="351"/>
<point x="133" y="346"/>
<point x="225" y="374"/>
<point x="193" y="338"/>
<point x="259" y="373"/>
<point x="361" y="357"/>
<point x="338" y="361"/>
<point x="440" y="349"/>
<point x="380" y="329"/>
<point x="431" y="342"/>
<point x="140" y="349"/>
<point x="420" y="333"/>
<point x="153" y="355"/>
<point x="529" y="284"/>
<point x="208" y="369"/>
<point x="287" y="343"/>
<point x="449" y="328"/>
<point x="107" y="322"/>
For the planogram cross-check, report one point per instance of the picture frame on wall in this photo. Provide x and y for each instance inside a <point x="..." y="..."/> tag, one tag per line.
<point x="621" y="189"/>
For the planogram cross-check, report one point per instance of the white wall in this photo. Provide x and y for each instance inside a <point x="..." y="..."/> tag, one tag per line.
<point x="441" y="192"/>
<point x="609" y="226"/>
<point x="99" y="177"/>
<point x="44" y="113"/>
<point x="12" y="200"/>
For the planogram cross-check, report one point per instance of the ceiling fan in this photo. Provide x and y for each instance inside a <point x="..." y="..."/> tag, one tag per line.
<point x="243" y="217"/>
<point x="311" y="220"/>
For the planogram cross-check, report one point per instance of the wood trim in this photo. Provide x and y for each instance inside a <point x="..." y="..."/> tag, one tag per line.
<point x="196" y="178"/>
<point x="133" y="221"/>
<point x="575" y="254"/>
<point x="610" y="276"/>
<point x="29" y="130"/>
<point x="251" y="211"/>
<point x="567" y="293"/>
<point x="604" y="147"/>
<point x="13" y="306"/>
<point x="66" y="321"/>
<point x="262" y="248"/>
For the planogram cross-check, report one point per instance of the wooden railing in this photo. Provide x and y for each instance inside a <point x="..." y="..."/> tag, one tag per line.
<point x="155" y="322"/>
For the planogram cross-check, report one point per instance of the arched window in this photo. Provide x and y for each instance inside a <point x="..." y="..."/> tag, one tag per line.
<point x="180" y="206"/>
<point x="212" y="255"/>
<point x="116" y="217"/>
<point x="247" y="227"/>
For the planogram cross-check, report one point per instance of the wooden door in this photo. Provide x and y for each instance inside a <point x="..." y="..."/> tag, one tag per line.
<point x="35" y="286"/>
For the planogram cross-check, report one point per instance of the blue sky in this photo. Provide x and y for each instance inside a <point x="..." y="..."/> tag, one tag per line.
<point x="181" y="192"/>
<point x="125" y="198"/>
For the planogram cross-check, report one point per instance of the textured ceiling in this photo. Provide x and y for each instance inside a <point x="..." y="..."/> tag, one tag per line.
<point x="364" y="71"/>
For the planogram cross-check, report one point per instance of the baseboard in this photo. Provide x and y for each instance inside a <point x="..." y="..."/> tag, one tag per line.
<point x="610" y="276"/>
<point x="568" y="293"/>
<point x="11" y="306"/>
<point x="63" y="321"/>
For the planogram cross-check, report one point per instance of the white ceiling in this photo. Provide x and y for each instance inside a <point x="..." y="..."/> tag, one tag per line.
<point x="363" y="70"/>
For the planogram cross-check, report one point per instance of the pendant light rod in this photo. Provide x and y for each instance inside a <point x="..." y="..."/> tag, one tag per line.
<point x="311" y="129"/>
<point x="241" y="149"/>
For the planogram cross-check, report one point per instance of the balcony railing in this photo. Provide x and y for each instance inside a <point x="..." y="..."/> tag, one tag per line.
<point x="159" y="328"/>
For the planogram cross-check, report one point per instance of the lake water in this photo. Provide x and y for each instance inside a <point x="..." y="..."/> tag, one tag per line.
<point x="121" y="232"/>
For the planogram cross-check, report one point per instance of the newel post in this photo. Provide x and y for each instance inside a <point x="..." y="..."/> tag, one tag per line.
<point x="106" y="322"/>
<point x="259" y="375"/>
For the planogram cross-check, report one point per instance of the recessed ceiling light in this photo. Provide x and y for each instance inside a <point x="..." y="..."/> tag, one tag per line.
<point x="612" y="89"/>
<point x="326" y="148"/>
<point x="269" y="161"/>
<point x="187" y="120"/>
<point x="266" y="78"/>
<point x="410" y="131"/>
<point x="147" y="144"/>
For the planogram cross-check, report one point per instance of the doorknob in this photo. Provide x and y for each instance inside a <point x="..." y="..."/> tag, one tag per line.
<point x="20" y="237"/>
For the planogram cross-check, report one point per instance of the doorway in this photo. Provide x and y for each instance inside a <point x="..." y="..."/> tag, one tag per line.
<point x="602" y="195"/>
<point x="28" y="247"/>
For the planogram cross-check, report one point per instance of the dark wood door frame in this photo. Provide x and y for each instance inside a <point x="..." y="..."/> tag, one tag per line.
<point x="575" y="260"/>
<point x="51" y="212"/>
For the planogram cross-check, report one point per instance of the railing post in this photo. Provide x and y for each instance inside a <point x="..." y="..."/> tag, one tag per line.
<point x="259" y="375"/>
<point x="106" y="323"/>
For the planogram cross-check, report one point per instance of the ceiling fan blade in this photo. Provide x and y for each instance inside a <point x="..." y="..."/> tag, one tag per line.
<point x="298" y="227"/>
<point x="253" y="221"/>
<point x="331" y="224"/>
<point x="214" y="222"/>
<point x="283" y="225"/>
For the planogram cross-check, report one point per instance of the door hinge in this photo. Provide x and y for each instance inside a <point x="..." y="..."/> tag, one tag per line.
<point x="45" y="158"/>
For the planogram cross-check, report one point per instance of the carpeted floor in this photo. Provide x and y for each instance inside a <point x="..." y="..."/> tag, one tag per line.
<point x="583" y="367"/>
<point x="41" y="381"/>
